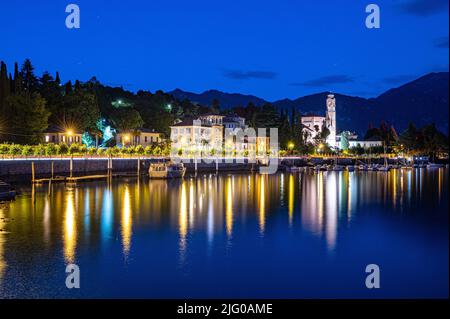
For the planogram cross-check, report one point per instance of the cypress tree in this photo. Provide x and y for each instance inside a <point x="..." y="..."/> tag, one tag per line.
<point x="3" y="80"/>
<point x="17" y="88"/>
<point x="57" y="79"/>
<point x="68" y="88"/>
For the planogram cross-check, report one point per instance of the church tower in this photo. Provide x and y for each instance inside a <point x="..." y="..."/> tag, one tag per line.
<point x="331" y="120"/>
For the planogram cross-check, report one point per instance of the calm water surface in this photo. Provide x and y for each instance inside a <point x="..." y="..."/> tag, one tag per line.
<point x="285" y="235"/>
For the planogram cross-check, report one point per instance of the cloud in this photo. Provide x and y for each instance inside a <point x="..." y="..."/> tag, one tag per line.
<point x="423" y="7"/>
<point x="247" y="75"/>
<point x="441" y="43"/>
<point x="396" y="79"/>
<point x="326" y="81"/>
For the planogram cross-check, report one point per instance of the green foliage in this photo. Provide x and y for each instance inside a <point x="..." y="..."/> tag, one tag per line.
<point x="4" y="149"/>
<point x="39" y="150"/>
<point x="27" y="150"/>
<point x="148" y="150"/>
<point x="15" y="149"/>
<point x="139" y="149"/>
<point x="51" y="149"/>
<point x="63" y="149"/>
<point x="126" y="119"/>
<point x="27" y="117"/>
<point x="92" y="151"/>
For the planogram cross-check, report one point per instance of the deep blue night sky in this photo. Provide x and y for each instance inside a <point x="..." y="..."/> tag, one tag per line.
<point x="272" y="49"/>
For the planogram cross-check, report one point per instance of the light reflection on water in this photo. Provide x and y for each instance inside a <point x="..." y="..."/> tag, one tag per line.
<point x="85" y="222"/>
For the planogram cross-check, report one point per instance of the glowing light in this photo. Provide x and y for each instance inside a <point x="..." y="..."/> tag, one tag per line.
<point x="107" y="131"/>
<point x="183" y="217"/>
<point x="262" y="204"/>
<point x="229" y="208"/>
<point x="291" y="191"/>
<point x="70" y="229"/>
<point x="291" y="145"/>
<point x="69" y="132"/>
<point x="126" y="222"/>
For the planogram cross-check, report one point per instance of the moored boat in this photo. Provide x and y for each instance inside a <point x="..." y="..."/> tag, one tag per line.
<point x="435" y="165"/>
<point x="166" y="170"/>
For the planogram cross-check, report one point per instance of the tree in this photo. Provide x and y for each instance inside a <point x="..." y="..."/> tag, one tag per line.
<point x="4" y="86"/>
<point x="80" y="109"/>
<point x="409" y="138"/>
<point x="344" y="140"/>
<point x="29" y="80"/>
<point x="17" y="87"/>
<point x="28" y="117"/>
<point x="215" y="106"/>
<point x="126" y="119"/>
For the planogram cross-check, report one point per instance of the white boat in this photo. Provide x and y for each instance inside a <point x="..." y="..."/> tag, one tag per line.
<point x="166" y="170"/>
<point x="350" y="168"/>
<point x="337" y="168"/>
<point x="293" y="169"/>
<point x="363" y="168"/>
<point x="435" y="165"/>
<point x="383" y="169"/>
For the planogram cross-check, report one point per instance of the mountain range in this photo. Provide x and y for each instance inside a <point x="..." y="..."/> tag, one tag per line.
<point x="422" y="101"/>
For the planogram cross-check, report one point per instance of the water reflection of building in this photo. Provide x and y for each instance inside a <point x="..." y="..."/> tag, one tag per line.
<point x="2" y="244"/>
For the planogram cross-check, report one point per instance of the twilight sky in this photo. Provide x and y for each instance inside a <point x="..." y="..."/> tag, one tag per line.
<point x="273" y="49"/>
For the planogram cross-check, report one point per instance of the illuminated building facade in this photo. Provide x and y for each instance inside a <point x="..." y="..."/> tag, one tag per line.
<point x="141" y="136"/>
<point x="57" y="135"/>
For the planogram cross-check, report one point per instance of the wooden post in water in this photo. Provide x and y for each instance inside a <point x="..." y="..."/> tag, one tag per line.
<point x="71" y="166"/>
<point x="32" y="172"/>
<point x="53" y="170"/>
<point x="139" y="167"/>
<point x="217" y="165"/>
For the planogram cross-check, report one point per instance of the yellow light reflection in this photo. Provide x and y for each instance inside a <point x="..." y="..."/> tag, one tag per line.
<point x="291" y="198"/>
<point x="229" y="207"/>
<point x="183" y="217"/>
<point x="2" y="242"/>
<point x="70" y="227"/>
<point x="126" y="221"/>
<point x="262" y="203"/>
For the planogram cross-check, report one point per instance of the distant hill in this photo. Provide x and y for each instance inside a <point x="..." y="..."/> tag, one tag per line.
<point x="422" y="101"/>
<point x="227" y="100"/>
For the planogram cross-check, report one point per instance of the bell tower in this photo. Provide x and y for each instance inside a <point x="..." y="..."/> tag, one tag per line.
<point x="331" y="120"/>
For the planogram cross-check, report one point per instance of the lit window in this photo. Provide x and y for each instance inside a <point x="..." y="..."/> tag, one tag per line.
<point x="47" y="138"/>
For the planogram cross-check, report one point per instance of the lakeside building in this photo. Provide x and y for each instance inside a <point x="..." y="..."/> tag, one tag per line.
<point x="57" y="135"/>
<point x="209" y="133"/>
<point x="140" y="136"/>
<point x="366" y="144"/>
<point x="312" y="127"/>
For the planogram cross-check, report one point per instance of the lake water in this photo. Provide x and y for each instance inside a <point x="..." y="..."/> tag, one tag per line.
<point x="289" y="235"/>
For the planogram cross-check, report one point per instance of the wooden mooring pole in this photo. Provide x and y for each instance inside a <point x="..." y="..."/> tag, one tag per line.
<point x="139" y="167"/>
<point x="32" y="172"/>
<point x="71" y="166"/>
